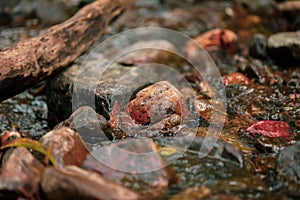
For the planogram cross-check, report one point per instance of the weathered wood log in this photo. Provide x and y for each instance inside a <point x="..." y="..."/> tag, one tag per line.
<point x="35" y="59"/>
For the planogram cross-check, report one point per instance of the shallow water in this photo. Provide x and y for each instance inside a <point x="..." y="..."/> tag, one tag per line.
<point x="27" y="112"/>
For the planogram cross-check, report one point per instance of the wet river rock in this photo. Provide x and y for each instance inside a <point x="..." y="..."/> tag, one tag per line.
<point x="260" y="72"/>
<point x="72" y="182"/>
<point x="59" y="91"/>
<point x="92" y="127"/>
<point x="284" y="46"/>
<point x="159" y="106"/>
<point x="258" y="46"/>
<point x="215" y="39"/>
<point x="156" y="102"/>
<point x="288" y="168"/>
<point x="290" y="9"/>
<point x="66" y="146"/>
<point x="20" y="176"/>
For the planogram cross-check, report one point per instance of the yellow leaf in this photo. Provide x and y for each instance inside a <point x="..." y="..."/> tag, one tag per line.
<point x="167" y="151"/>
<point x="31" y="144"/>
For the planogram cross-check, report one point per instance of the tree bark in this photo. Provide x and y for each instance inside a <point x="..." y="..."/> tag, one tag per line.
<point x="35" y="59"/>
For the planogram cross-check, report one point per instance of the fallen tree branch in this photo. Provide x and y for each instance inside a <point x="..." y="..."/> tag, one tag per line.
<point x="35" y="59"/>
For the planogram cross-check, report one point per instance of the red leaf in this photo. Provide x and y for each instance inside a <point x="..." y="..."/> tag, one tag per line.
<point x="269" y="128"/>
